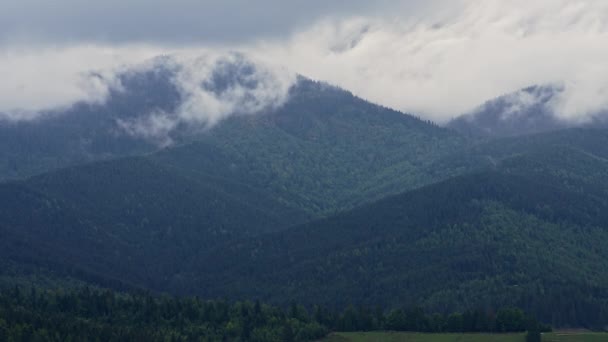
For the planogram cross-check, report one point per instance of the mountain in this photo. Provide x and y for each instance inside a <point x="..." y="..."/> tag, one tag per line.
<point x="145" y="221"/>
<point x="489" y="153"/>
<point x="321" y="150"/>
<point x="165" y="101"/>
<point x="527" y="232"/>
<point x="221" y="185"/>
<point x="527" y="111"/>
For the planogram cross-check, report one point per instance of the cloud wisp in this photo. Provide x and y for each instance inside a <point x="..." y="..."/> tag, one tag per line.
<point x="34" y="80"/>
<point x="213" y="86"/>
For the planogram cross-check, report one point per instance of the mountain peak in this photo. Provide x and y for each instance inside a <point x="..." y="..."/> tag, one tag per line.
<point x="527" y="111"/>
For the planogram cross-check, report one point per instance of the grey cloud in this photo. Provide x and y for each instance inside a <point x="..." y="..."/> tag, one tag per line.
<point x="437" y="59"/>
<point x="170" y="22"/>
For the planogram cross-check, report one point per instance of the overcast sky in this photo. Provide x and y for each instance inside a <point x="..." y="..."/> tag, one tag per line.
<point x="171" y="22"/>
<point x="435" y="58"/>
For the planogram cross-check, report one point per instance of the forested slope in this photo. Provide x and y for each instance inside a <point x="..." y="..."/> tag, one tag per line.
<point x="130" y="220"/>
<point x="516" y="235"/>
<point x="323" y="151"/>
<point x="327" y="199"/>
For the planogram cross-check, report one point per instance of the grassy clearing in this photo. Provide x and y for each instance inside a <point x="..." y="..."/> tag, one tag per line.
<point x="418" y="337"/>
<point x="575" y="337"/>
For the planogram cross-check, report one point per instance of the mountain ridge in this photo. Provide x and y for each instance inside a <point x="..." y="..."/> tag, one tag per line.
<point x="527" y="111"/>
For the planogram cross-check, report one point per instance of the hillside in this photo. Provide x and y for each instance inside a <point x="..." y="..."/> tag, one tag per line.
<point x="324" y="150"/>
<point x="86" y="132"/>
<point x="516" y="235"/>
<point x="523" y="225"/>
<point x="128" y="221"/>
<point x="144" y="221"/>
<point x="551" y="151"/>
<point x="318" y="126"/>
<point x="527" y="111"/>
<point x="321" y="151"/>
<point x="293" y="171"/>
<point x="326" y="199"/>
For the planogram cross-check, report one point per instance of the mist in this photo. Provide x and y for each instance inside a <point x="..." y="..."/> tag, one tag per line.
<point x="212" y="85"/>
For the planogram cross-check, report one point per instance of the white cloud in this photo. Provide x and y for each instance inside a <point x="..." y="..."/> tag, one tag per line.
<point x="441" y="61"/>
<point x="38" y="79"/>
<point x="248" y="86"/>
<point x="450" y="61"/>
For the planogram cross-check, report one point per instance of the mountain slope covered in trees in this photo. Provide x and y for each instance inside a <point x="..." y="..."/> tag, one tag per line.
<point x="522" y="226"/>
<point x="529" y="233"/>
<point x="323" y="151"/>
<point x="130" y="220"/>
<point x="326" y="199"/>
<point x="145" y="221"/>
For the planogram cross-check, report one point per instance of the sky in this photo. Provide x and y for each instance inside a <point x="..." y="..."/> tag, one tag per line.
<point x="436" y="58"/>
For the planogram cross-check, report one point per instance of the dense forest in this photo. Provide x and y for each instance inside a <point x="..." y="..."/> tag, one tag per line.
<point x="523" y="227"/>
<point x="365" y="217"/>
<point x="483" y="243"/>
<point x="525" y="230"/>
<point x="87" y="314"/>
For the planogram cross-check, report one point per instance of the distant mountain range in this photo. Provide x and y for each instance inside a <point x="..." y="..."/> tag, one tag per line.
<point x="323" y="199"/>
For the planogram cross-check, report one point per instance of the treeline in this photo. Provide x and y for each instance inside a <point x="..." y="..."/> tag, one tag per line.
<point x="415" y="319"/>
<point x="102" y="315"/>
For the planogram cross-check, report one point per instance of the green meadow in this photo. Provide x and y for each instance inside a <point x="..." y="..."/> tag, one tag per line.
<point x="420" y="337"/>
<point x="575" y="337"/>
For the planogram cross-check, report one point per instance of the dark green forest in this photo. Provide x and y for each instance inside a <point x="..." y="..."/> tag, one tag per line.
<point x="87" y="314"/>
<point x="524" y="230"/>
<point x="365" y="217"/>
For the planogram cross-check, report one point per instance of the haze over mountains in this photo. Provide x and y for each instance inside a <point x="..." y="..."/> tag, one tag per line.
<point x="312" y="195"/>
<point x="528" y="111"/>
<point x="172" y="100"/>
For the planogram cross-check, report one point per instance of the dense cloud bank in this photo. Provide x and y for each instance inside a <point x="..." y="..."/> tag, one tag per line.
<point x="437" y="60"/>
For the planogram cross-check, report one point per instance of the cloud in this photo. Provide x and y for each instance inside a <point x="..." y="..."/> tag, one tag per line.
<point x="213" y="85"/>
<point x="437" y="59"/>
<point x="169" y="22"/>
<point x="449" y="61"/>
<point x="155" y="127"/>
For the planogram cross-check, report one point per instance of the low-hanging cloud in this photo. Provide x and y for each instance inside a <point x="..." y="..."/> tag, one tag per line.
<point x="213" y="86"/>
<point x="437" y="60"/>
<point x="450" y="61"/>
<point x="34" y="80"/>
